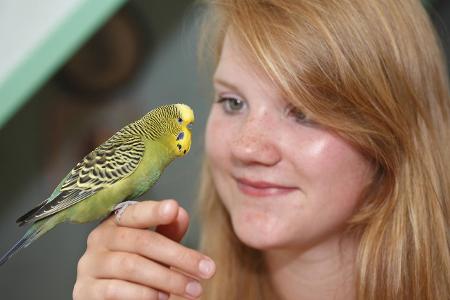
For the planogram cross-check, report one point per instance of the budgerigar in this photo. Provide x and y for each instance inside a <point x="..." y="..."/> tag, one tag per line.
<point x="121" y="169"/>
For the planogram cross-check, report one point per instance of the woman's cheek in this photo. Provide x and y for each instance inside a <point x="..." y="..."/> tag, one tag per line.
<point x="213" y="131"/>
<point x="217" y="141"/>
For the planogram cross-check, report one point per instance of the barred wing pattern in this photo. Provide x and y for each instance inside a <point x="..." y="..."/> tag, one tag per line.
<point x="112" y="161"/>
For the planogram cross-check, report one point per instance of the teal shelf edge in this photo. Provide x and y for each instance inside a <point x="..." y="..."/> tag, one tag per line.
<point x="51" y="53"/>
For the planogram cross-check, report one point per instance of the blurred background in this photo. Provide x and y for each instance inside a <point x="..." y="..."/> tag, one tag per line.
<point x="72" y="73"/>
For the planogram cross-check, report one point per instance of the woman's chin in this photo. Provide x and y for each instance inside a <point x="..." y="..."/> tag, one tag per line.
<point x="258" y="231"/>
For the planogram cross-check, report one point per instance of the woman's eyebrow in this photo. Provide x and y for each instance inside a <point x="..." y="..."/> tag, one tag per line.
<point x="225" y="83"/>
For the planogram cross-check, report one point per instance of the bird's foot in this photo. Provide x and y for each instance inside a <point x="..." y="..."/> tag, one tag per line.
<point x="119" y="209"/>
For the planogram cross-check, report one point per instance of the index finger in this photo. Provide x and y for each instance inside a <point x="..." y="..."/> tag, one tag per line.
<point x="175" y="230"/>
<point x="147" y="214"/>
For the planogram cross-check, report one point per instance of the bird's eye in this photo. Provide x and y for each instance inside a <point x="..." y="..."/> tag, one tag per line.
<point x="180" y="120"/>
<point x="231" y="104"/>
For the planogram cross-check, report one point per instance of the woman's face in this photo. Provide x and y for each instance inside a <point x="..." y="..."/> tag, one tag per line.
<point x="285" y="181"/>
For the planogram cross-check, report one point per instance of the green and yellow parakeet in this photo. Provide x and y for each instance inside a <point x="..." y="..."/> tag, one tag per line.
<point x="121" y="169"/>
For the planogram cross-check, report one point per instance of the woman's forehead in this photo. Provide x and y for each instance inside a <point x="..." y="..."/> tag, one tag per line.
<point x="236" y="61"/>
<point x="236" y="71"/>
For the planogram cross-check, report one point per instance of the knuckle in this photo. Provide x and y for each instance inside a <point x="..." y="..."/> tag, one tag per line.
<point x="144" y="240"/>
<point x="110" y="291"/>
<point x="82" y="265"/>
<point x="76" y="292"/>
<point x="93" y="238"/>
<point x="126" y="263"/>
<point x="121" y="234"/>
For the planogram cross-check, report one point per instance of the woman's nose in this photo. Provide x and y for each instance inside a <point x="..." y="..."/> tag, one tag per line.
<point x="256" y="143"/>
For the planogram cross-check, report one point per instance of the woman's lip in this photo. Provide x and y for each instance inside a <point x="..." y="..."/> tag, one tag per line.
<point x="262" y="188"/>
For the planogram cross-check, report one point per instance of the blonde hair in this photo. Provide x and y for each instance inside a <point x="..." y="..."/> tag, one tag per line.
<point x="372" y="71"/>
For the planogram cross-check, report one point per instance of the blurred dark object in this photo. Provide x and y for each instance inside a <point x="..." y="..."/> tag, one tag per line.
<point x="432" y="3"/>
<point x="109" y="59"/>
<point x="93" y="139"/>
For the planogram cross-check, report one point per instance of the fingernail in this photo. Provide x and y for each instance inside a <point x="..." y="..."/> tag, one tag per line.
<point x="193" y="289"/>
<point x="162" y="296"/>
<point x="206" y="267"/>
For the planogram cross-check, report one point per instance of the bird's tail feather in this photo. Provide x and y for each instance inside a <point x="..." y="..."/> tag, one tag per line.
<point x="35" y="231"/>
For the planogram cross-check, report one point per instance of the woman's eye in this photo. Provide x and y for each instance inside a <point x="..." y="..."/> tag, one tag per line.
<point x="231" y="104"/>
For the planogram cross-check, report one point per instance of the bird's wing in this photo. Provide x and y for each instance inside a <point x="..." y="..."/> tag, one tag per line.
<point x="112" y="161"/>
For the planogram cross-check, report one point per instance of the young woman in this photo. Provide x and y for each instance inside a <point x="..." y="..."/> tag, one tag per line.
<point x="326" y="170"/>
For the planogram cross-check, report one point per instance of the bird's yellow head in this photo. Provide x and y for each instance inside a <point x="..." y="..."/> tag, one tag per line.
<point x="171" y="125"/>
<point x="183" y="136"/>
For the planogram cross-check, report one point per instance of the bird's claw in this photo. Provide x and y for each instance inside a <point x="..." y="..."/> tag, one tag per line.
<point x="119" y="209"/>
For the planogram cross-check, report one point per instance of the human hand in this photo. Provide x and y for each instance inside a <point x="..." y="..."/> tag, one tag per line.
<point x="125" y="260"/>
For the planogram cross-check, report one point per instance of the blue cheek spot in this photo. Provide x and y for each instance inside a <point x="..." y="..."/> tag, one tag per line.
<point x="180" y="136"/>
